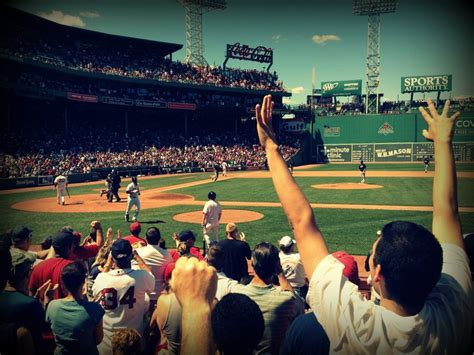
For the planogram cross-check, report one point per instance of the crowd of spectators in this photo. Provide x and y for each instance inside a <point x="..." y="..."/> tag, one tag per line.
<point x="127" y="62"/>
<point x="46" y="153"/>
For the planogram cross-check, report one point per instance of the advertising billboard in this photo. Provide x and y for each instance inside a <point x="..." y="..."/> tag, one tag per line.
<point x="341" y="88"/>
<point x="426" y="83"/>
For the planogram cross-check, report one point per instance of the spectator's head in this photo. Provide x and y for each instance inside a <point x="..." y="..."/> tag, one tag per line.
<point x="122" y="253"/>
<point x="63" y="244"/>
<point x="74" y="276"/>
<point x="405" y="264"/>
<point x="265" y="260"/>
<point x="153" y="236"/>
<point x="287" y="244"/>
<point x="21" y="237"/>
<point x="237" y="324"/>
<point x="351" y="270"/>
<point x="211" y="195"/>
<point x="231" y="230"/>
<point x="187" y="237"/>
<point x="215" y="256"/>
<point x="126" y="342"/>
<point x="135" y="229"/>
<point x="46" y="243"/>
<point x="6" y="239"/>
<point x="20" y="270"/>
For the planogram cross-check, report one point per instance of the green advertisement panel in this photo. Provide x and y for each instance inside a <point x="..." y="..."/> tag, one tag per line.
<point x="341" y="88"/>
<point x="393" y="152"/>
<point x="426" y="83"/>
<point x="339" y="153"/>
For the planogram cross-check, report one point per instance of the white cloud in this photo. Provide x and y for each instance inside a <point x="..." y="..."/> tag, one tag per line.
<point x="89" y="14"/>
<point x="297" y="90"/>
<point x="322" y="39"/>
<point x="63" y="19"/>
<point x="277" y="38"/>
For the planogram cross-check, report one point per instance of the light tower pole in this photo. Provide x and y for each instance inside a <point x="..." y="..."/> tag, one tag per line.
<point x="373" y="9"/>
<point x="194" y="10"/>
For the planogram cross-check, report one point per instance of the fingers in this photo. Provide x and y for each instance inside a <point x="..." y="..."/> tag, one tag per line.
<point x="446" y="108"/>
<point x="432" y="108"/>
<point x="44" y="286"/>
<point x="455" y="116"/>
<point x="425" y="115"/>
<point x="426" y="134"/>
<point x="258" y="114"/>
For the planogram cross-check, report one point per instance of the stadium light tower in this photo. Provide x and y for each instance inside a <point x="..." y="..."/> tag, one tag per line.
<point x="194" y="10"/>
<point x="373" y="9"/>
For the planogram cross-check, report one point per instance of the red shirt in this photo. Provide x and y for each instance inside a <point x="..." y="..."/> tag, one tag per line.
<point x="50" y="269"/>
<point x="85" y="252"/>
<point x="132" y="239"/>
<point x="195" y="251"/>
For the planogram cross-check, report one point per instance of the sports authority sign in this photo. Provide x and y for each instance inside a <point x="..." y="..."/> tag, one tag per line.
<point x="427" y="83"/>
<point x="341" y="88"/>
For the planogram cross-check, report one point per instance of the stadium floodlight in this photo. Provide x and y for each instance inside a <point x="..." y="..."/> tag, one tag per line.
<point x="194" y="10"/>
<point x="373" y="9"/>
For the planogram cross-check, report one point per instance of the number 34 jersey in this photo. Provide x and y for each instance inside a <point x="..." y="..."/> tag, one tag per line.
<point x="123" y="295"/>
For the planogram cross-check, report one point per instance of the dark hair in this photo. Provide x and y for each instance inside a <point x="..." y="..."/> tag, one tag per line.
<point x="237" y="324"/>
<point x="153" y="235"/>
<point x="211" y="195"/>
<point x="215" y="256"/>
<point x="73" y="276"/>
<point x="265" y="260"/>
<point x="47" y="242"/>
<point x="286" y="249"/>
<point x="5" y="266"/>
<point x="411" y="259"/>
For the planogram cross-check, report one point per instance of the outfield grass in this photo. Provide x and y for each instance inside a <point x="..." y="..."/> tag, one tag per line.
<point x="351" y="230"/>
<point x="382" y="166"/>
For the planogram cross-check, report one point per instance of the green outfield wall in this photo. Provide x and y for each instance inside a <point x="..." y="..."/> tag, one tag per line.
<point x="384" y="138"/>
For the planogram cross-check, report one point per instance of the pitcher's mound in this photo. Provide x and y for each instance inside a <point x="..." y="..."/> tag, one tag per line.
<point x="347" y="186"/>
<point x="236" y="216"/>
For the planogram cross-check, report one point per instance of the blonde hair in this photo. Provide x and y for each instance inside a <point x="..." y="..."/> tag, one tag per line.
<point x="126" y="342"/>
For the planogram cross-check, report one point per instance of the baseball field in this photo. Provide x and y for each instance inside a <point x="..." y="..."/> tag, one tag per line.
<point x="347" y="212"/>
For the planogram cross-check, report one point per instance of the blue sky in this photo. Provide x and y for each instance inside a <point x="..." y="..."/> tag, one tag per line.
<point x="422" y="38"/>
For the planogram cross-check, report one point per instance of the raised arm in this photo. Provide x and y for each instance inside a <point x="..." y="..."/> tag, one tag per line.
<point x="309" y="238"/>
<point x="446" y="226"/>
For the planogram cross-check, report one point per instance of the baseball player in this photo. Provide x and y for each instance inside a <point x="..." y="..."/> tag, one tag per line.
<point x="133" y="191"/>
<point x="60" y="184"/>
<point x="114" y="186"/>
<point x="214" y="177"/>
<point x="362" y="169"/>
<point x="211" y="215"/>
<point x="123" y="292"/>
<point x="108" y="185"/>
<point x="224" y="168"/>
<point x="427" y="164"/>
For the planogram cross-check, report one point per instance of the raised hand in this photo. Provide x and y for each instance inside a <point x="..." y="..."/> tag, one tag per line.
<point x="242" y="236"/>
<point x="440" y="127"/>
<point x="266" y="135"/>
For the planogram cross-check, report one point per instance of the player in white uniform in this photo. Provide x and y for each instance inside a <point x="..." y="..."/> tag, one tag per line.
<point x="133" y="191"/>
<point x="123" y="293"/>
<point x="60" y="184"/>
<point x="211" y="215"/>
<point x="224" y="168"/>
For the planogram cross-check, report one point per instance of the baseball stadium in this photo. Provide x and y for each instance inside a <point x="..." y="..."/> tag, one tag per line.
<point x="88" y="105"/>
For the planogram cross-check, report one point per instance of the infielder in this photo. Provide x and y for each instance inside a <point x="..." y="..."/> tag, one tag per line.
<point x="362" y="169"/>
<point x="211" y="215"/>
<point x="224" y="168"/>
<point x="427" y="164"/>
<point x="133" y="191"/>
<point x="60" y="184"/>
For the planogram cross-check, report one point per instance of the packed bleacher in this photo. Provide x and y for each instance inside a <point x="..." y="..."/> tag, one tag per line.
<point x="85" y="150"/>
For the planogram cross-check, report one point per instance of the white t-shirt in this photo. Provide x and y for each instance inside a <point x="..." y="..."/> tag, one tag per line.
<point x="213" y="210"/>
<point x="355" y="325"/>
<point x="293" y="269"/>
<point x="132" y="187"/>
<point x="124" y="299"/>
<point x="157" y="259"/>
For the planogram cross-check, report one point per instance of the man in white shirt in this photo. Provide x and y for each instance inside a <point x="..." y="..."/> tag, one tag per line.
<point x="133" y="192"/>
<point x="292" y="266"/>
<point x="423" y="281"/>
<point x="211" y="215"/>
<point x="157" y="259"/>
<point x="60" y="184"/>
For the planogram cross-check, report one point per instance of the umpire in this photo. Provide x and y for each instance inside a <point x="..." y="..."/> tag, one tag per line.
<point x="115" y="179"/>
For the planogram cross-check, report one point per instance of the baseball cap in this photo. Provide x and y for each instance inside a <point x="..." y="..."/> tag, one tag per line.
<point x="184" y="236"/>
<point x="121" y="249"/>
<point x="286" y="241"/>
<point x="230" y="227"/>
<point x="351" y="270"/>
<point x="63" y="240"/>
<point x="21" y="263"/>
<point x="19" y="234"/>
<point x="135" y="228"/>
